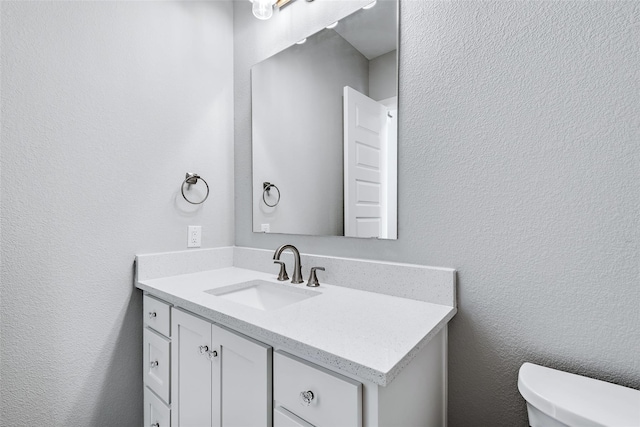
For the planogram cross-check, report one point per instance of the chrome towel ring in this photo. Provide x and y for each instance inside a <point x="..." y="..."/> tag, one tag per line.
<point x="192" y="178"/>
<point x="266" y="186"/>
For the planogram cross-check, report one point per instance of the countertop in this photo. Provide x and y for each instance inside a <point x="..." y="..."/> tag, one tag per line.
<point x="370" y="335"/>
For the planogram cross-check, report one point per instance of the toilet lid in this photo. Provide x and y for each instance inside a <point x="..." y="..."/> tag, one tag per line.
<point x="577" y="400"/>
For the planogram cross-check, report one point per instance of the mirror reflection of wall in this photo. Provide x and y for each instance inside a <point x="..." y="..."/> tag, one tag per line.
<point x="298" y="129"/>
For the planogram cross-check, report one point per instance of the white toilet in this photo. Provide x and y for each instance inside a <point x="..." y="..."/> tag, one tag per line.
<point x="559" y="399"/>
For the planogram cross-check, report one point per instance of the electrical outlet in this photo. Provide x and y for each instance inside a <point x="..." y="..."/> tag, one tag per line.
<point x="194" y="236"/>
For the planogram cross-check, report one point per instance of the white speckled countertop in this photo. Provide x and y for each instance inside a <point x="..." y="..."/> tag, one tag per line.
<point x="367" y="334"/>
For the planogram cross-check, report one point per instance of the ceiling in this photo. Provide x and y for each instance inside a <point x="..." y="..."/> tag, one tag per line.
<point x="374" y="31"/>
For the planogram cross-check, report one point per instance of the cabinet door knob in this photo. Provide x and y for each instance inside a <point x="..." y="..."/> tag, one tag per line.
<point x="204" y="349"/>
<point x="212" y="354"/>
<point x="306" y="397"/>
<point x="154" y="364"/>
<point x="152" y="314"/>
<point x="155" y="425"/>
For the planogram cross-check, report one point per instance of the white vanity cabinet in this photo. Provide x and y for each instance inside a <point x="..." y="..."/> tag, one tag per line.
<point x="342" y="358"/>
<point x="202" y="374"/>
<point x="218" y="377"/>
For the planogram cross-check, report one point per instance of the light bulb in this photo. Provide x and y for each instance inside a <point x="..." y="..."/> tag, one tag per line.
<point x="370" y="5"/>
<point x="301" y="41"/>
<point x="263" y="9"/>
<point x="335" y="24"/>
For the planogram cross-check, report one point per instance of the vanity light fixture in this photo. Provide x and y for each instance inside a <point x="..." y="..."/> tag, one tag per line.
<point x="262" y="9"/>
<point x="335" y="24"/>
<point x="301" y="41"/>
<point x="370" y="5"/>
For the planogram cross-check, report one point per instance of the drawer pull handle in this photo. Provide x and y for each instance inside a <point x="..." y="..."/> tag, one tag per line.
<point x="306" y="397"/>
<point x="152" y="314"/>
<point x="204" y="349"/>
<point x="154" y="364"/>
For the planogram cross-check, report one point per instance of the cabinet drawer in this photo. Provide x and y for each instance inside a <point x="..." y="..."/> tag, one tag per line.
<point x="156" y="362"/>
<point x="155" y="314"/>
<point x="337" y="400"/>
<point x="284" y="418"/>
<point x="156" y="413"/>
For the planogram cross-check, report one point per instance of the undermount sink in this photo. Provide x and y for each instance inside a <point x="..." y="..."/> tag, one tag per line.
<point x="262" y="295"/>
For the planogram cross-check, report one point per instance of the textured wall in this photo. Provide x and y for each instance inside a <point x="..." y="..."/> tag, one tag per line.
<point x="518" y="166"/>
<point x="105" y="106"/>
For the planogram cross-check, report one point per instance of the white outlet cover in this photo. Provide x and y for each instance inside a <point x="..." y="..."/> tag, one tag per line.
<point x="194" y="236"/>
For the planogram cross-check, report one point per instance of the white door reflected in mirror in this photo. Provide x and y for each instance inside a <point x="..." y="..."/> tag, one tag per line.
<point x="370" y="159"/>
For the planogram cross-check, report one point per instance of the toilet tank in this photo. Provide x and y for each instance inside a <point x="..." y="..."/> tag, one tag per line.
<point x="559" y="398"/>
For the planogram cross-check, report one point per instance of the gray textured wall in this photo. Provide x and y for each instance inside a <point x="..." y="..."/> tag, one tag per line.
<point x="383" y="76"/>
<point x="518" y="166"/>
<point x="105" y="106"/>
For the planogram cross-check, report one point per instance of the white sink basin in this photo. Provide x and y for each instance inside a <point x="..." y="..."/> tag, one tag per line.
<point x="262" y="295"/>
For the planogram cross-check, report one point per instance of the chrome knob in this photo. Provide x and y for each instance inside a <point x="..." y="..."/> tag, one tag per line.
<point x="155" y="425"/>
<point x="204" y="349"/>
<point x="152" y="314"/>
<point x="212" y="354"/>
<point x="306" y="397"/>
<point x="154" y="364"/>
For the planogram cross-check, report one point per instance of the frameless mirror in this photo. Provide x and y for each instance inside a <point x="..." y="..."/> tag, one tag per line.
<point x="324" y="130"/>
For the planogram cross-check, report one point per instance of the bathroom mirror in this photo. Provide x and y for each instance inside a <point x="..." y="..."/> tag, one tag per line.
<point x="324" y="130"/>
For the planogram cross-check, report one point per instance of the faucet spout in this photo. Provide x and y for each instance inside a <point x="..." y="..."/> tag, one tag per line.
<point x="297" y="268"/>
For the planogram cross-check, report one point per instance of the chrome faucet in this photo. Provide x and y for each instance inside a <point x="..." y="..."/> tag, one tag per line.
<point x="297" y="268"/>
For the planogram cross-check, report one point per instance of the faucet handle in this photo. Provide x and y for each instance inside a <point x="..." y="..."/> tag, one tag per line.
<point x="313" y="279"/>
<point x="282" y="276"/>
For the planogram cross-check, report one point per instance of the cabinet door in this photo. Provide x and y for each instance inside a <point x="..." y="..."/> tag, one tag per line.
<point x="190" y="371"/>
<point x="284" y="418"/>
<point x="243" y="372"/>
<point x="156" y="315"/>
<point x="156" y="413"/>
<point x="156" y="363"/>
<point x="333" y="399"/>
